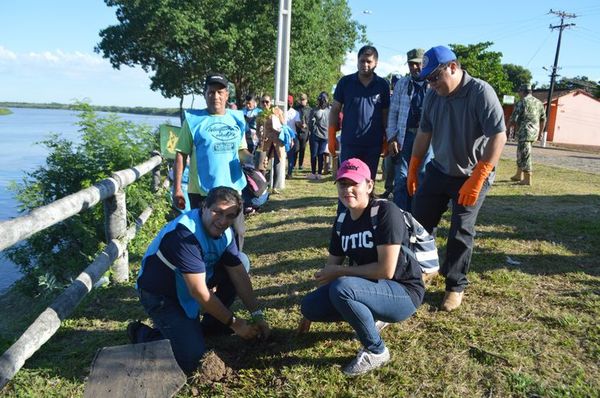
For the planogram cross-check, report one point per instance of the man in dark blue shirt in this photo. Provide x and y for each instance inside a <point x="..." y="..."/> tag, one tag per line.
<point x="364" y="99"/>
<point x="194" y="266"/>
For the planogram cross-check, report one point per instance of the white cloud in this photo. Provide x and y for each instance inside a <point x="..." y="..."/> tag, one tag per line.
<point x="59" y="76"/>
<point x="7" y="54"/>
<point x="395" y="64"/>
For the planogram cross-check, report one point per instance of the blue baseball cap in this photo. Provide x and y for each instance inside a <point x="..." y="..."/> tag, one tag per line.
<point x="435" y="57"/>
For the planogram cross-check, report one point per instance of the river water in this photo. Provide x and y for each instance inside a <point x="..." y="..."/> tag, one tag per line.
<point x="19" y="153"/>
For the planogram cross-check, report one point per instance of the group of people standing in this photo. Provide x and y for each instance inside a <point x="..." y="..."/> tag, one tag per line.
<point x="444" y="131"/>
<point x="306" y="126"/>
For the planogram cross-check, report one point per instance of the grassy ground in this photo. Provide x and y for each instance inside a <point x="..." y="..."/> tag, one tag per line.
<point x="528" y="326"/>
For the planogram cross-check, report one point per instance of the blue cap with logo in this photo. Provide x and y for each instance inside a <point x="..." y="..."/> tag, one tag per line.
<point x="435" y="57"/>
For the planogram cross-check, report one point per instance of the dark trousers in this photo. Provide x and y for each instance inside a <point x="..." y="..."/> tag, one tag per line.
<point x="302" y="141"/>
<point x="369" y="155"/>
<point x="430" y="203"/>
<point x="186" y="335"/>
<point x="318" y="146"/>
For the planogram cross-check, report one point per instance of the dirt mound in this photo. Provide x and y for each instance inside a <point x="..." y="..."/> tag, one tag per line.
<point x="212" y="369"/>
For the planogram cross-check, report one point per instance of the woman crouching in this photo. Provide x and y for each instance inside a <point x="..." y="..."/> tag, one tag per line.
<point x="380" y="285"/>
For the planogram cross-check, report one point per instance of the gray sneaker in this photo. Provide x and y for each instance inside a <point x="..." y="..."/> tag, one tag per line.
<point x="366" y="361"/>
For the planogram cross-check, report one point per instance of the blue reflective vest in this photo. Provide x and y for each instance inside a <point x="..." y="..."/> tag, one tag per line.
<point x="211" y="249"/>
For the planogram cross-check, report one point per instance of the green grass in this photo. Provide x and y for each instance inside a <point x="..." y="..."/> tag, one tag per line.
<point x="527" y="328"/>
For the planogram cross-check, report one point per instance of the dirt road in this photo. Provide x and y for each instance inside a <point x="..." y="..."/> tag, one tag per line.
<point x="566" y="158"/>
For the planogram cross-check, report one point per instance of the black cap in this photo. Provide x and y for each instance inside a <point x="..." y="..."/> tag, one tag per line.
<point x="216" y="78"/>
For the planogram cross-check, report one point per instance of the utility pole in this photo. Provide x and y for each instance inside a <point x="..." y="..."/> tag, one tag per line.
<point x="282" y="74"/>
<point x="553" y="75"/>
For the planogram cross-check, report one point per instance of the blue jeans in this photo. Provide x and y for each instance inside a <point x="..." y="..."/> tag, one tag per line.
<point x="431" y="200"/>
<point x="401" y="161"/>
<point x="317" y="150"/>
<point x="186" y="335"/>
<point x="360" y="302"/>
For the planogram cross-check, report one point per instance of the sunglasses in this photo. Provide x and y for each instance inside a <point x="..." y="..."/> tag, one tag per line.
<point x="265" y="102"/>
<point x="435" y="76"/>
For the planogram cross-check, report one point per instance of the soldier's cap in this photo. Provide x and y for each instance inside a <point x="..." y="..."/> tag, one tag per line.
<point x="435" y="57"/>
<point x="525" y="87"/>
<point x="415" y="55"/>
<point x="216" y="78"/>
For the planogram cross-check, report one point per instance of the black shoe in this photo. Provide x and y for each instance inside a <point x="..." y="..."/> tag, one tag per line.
<point x="132" y="331"/>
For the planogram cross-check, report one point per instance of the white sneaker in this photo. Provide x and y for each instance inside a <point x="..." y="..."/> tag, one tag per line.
<point x="380" y="325"/>
<point x="366" y="361"/>
<point x="311" y="176"/>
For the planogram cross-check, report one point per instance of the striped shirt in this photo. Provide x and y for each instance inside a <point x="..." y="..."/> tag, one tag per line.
<point x="399" y="110"/>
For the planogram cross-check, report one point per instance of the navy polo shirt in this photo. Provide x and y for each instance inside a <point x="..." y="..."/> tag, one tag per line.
<point x="363" y="109"/>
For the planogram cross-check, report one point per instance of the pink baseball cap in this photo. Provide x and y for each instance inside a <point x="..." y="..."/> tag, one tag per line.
<point x="353" y="169"/>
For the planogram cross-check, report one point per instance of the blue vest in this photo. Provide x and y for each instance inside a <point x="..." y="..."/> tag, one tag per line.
<point x="216" y="141"/>
<point x="211" y="249"/>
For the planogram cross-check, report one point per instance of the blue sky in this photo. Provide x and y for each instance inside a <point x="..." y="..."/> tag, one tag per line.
<point x="46" y="47"/>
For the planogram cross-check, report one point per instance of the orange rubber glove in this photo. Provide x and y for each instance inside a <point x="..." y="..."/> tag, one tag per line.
<point x="469" y="192"/>
<point x="412" y="180"/>
<point x="331" y="143"/>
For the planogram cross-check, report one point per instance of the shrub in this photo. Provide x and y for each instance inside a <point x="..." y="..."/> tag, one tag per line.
<point x="51" y="258"/>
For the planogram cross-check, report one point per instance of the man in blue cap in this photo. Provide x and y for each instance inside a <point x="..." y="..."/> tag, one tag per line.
<point x="463" y="122"/>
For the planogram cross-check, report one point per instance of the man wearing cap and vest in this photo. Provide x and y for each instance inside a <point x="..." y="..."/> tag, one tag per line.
<point x="463" y="122"/>
<point x="194" y="266"/>
<point x="364" y="99"/>
<point x="214" y="138"/>
<point x="403" y="122"/>
<point x="529" y="118"/>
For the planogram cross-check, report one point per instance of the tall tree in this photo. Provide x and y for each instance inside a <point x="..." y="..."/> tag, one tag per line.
<point x="484" y="64"/>
<point x="517" y="75"/>
<point x="182" y="41"/>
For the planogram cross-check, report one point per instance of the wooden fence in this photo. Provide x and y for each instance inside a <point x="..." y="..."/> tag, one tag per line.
<point x="110" y="192"/>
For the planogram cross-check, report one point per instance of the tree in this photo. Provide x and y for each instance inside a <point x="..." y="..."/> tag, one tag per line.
<point x="182" y="41"/>
<point x="53" y="257"/>
<point x="577" y="82"/>
<point x="484" y="64"/>
<point x="517" y="75"/>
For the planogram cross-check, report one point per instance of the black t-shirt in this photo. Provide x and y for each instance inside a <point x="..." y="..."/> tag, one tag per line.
<point x="358" y="241"/>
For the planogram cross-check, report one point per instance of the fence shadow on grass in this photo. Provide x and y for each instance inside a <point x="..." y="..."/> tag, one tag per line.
<point x="277" y="203"/>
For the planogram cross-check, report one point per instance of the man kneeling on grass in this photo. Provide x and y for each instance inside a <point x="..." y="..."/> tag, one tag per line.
<point x="191" y="257"/>
<point x="381" y="284"/>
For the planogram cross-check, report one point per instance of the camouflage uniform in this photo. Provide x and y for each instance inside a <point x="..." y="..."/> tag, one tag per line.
<point x="528" y="114"/>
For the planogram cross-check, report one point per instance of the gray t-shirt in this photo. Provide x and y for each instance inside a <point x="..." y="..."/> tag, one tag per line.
<point x="318" y="122"/>
<point x="461" y="124"/>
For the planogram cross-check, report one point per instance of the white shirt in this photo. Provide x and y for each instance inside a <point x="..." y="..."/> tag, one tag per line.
<point x="291" y="117"/>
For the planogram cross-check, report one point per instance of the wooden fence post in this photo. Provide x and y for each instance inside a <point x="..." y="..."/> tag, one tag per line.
<point x="156" y="174"/>
<point x="115" y="226"/>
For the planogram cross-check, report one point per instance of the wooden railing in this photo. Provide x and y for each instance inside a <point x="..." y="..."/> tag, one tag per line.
<point x="110" y="192"/>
